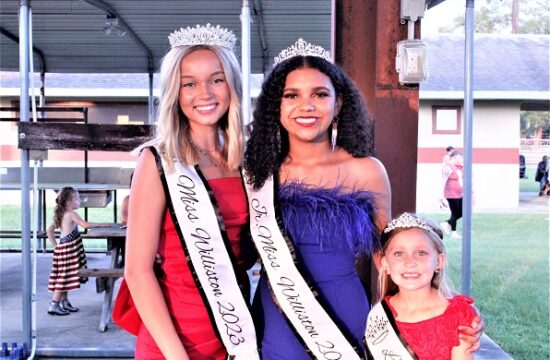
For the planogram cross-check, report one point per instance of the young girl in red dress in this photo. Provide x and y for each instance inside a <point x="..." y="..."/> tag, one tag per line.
<point x="422" y="310"/>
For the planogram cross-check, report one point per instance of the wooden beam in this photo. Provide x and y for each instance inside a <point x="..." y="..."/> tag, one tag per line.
<point x="98" y="137"/>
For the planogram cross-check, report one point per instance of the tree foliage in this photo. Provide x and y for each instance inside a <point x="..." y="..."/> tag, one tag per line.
<point x="535" y="124"/>
<point x="495" y="16"/>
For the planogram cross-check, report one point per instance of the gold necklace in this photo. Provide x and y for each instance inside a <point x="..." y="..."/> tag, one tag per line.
<point x="208" y="157"/>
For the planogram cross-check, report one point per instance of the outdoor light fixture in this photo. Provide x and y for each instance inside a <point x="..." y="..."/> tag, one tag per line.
<point x="410" y="61"/>
<point x="111" y="24"/>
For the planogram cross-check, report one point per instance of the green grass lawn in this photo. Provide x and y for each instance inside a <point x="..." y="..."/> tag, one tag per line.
<point x="509" y="278"/>
<point x="10" y="219"/>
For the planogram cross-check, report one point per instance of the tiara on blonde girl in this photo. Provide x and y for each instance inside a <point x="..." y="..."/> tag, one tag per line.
<point x="301" y="48"/>
<point x="407" y="221"/>
<point x="203" y="35"/>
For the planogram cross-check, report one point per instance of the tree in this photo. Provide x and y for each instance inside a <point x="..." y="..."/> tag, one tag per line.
<point x="535" y="124"/>
<point x="507" y="16"/>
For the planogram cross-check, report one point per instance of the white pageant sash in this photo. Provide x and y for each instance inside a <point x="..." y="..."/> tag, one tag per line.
<point x="293" y="296"/>
<point x="211" y="265"/>
<point x="382" y="339"/>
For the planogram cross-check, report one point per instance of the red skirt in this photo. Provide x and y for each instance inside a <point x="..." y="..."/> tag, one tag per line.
<point x="68" y="258"/>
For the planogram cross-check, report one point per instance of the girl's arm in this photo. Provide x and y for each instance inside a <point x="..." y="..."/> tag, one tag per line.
<point x="146" y="210"/>
<point x="374" y="178"/>
<point x="378" y="182"/>
<point x="471" y="334"/>
<point x="124" y="211"/>
<point x="85" y="224"/>
<point x="468" y="336"/>
<point x="461" y="352"/>
<point x="51" y="236"/>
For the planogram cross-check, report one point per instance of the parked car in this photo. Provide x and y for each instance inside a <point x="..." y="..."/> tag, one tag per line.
<point x="522" y="167"/>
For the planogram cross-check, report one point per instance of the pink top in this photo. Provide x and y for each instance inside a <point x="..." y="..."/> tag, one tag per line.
<point x="433" y="339"/>
<point x="454" y="185"/>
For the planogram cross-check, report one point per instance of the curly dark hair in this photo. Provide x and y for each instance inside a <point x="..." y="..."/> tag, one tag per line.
<point x="268" y="144"/>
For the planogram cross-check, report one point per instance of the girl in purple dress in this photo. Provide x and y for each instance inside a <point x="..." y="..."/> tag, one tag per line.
<point x="318" y="200"/>
<point x="311" y="132"/>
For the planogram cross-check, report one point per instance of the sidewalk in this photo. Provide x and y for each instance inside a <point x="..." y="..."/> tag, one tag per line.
<point x="532" y="202"/>
<point x="81" y="330"/>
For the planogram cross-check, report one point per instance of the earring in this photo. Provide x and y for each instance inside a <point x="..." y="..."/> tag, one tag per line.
<point x="334" y="132"/>
<point x="437" y="270"/>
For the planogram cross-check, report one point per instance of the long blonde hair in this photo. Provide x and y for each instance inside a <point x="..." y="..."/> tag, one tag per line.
<point x="172" y="130"/>
<point x="440" y="282"/>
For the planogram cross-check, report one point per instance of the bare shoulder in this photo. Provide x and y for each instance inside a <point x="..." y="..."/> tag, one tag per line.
<point x="369" y="172"/>
<point x="72" y="215"/>
<point x="146" y="171"/>
<point x="146" y="184"/>
<point x="371" y="175"/>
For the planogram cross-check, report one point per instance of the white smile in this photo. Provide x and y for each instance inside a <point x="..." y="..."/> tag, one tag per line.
<point x="410" y="275"/>
<point x="205" y="107"/>
<point x="305" y="121"/>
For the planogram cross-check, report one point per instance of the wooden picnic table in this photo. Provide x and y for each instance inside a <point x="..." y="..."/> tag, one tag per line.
<point x="116" y="238"/>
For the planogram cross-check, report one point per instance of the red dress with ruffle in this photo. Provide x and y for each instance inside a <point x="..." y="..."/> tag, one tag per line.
<point x="180" y="292"/>
<point x="433" y="339"/>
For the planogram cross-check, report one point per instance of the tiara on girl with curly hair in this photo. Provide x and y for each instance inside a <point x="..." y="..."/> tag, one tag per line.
<point x="301" y="48"/>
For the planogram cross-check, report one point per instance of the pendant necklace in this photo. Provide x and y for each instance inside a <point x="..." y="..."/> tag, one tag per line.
<point x="208" y="157"/>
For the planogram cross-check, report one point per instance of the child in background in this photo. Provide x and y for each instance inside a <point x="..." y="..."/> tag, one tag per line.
<point x="68" y="255"/>
<point x="416" y="299"/>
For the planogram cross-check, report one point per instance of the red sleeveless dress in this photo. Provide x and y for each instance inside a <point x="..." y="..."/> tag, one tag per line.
<point x="180" y="292"/>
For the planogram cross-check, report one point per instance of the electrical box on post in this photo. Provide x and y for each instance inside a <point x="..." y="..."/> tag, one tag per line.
<point x="410" y="61"/>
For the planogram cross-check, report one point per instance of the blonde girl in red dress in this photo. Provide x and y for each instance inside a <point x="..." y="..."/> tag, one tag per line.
<point x="424" y="311"/>
<point x="199" y="133"/>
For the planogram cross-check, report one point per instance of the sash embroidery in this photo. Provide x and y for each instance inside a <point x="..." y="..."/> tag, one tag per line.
<point x="383" y="338"/>
<point x="292" y="294"/>
<point x="196" y="222"/>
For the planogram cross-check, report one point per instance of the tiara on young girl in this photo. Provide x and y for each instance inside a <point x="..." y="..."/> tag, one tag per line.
<point x="405" y="221"/>
<point x="301" y="48"/>
<point x="203" y="35"/>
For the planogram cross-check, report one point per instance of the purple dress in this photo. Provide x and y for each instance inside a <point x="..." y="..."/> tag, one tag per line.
<point x="328" y="229"/>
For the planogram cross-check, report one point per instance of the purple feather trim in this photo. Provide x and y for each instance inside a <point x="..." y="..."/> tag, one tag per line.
<point x="329" y="217"/>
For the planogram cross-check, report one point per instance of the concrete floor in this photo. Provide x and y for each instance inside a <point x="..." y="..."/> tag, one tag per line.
<point x="59" y="334"/>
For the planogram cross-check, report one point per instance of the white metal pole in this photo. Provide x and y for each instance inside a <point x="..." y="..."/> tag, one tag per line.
<point x="468" y="121"/>
<point x="246" y="103"/>
<point x="24" y="6"/>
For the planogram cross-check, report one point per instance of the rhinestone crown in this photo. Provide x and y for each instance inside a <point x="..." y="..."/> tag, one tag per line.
<point x="203" y="35"/>
<point x="406" y="220"/>
<point x="301" y="48"/>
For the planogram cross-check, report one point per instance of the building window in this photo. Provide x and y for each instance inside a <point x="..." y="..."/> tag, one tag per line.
<point x="446" y="120"/>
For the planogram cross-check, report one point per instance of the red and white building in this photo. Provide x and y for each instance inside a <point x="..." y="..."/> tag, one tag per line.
<point x="511" y="73"/>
